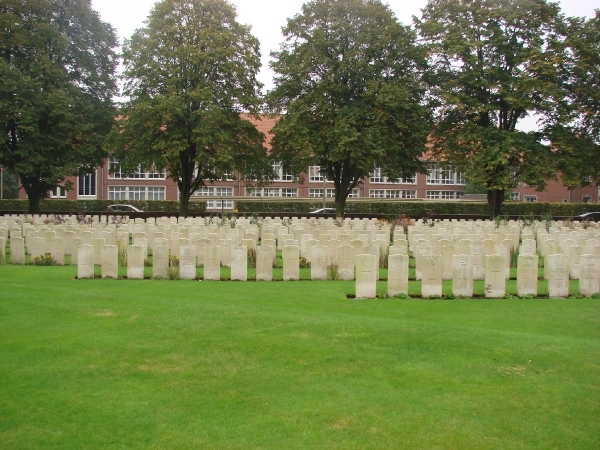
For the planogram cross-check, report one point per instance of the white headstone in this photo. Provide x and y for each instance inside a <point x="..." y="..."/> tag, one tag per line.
<point x="85" y="261"/>
<point x="495" y="281"/>
<point x="187" y="262"/>
<point x="558" y="275"/>
<point x="431" y="283"/>
<point x="462" y="277"/>
<point x="318" y="267"/>
<point x="17" y="250"/>
<point x="160" y="261"/>
<point x="346" y="262"/>
<point x="291" y="262"/>
<point x="110" y="261"/>
<point x="135" y="262"/>
<point x="264" y="264"/>
<point x="588" y="275"/>
<point x="397" y="274"/>
<point x="239" y="263"/>
<point x="527" y="274"/>
<point x="366" y="276"/>
<point x="212" y="262"/>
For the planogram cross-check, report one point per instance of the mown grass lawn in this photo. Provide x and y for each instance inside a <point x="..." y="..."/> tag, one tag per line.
<point x="125" y="364"/>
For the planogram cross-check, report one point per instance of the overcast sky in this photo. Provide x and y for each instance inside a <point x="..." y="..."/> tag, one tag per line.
<point x="268" y="16"/>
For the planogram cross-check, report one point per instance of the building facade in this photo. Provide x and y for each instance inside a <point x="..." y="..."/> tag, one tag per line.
<point x="441" y="183"/>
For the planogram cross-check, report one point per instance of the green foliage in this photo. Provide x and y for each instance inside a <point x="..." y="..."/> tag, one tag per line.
<point x="494" y="63"/>
<point x="190" y="74"/>
<point x="99" y="205"/>
<point x="348" y="83"/>
<point x="10" y="184"/>
<point x="57" y="69"/>
<point x="420" y="208"/>
<point x="46" y="260"/>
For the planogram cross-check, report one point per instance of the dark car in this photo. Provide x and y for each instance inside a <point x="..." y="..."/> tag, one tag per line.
<point x="123" y="208"/>
<point x="324" y="211"/>
<point x="593" y="216"/>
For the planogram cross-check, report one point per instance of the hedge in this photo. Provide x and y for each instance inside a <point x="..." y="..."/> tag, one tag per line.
<point x="100" y="205"/>
<point x="419" y="208"/>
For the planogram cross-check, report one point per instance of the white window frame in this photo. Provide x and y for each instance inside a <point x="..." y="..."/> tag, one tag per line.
<point x="214" y="191"/>
<point x="530" y="198"/>
<point x="136" y="192"/>
<point x="586" y="198"/>
<point x="84" y="184"/>
<point x="280" y="175"/>
<point x="115" y="172"/>
<point x="219" y="204"/>
<point x="58" y="192"/>
<point x="515" y="196"/>
<point x="314" y="174"/>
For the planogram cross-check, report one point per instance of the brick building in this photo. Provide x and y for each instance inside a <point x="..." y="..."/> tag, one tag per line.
<point x="441" y="183"/>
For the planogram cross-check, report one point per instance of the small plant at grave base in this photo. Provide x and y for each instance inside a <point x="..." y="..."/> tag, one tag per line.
<point x="500" y="221"/>
<point x="121" y="254"/>
<point x="514" y="256"/>
<point x="403" y="221"/>
<point x="595" y="296"/>
<point x="569" y="223"/>
<point x="547" y="221"/>
<point x="401" y="296"/>
<point x="528" y="220"/>
<point x="528" y="296"/>
<point x="147" y="263"/>
<point x="383" y="261"/>
<point x="510" y="297"/>
<point x="251" y="257"/>
<point x="333" y="272"/>
<point x="46" y="260"/>
<point x="429" y="218"/>
<point x="118" y="220"/>
<point x="173" y="269"/>
<point x="83" y="219"/>
<point x="449" y="296"/>
<point x="304" y="263"/>
<point x="56" y="219"/>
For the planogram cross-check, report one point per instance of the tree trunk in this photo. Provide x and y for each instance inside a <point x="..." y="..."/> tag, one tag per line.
<point x="34" y="204"/>
<point x="184" y="202"/>
<point x="495" y="198"/>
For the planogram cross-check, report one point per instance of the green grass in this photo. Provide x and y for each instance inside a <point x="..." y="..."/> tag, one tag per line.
<point x="122" y="364"/>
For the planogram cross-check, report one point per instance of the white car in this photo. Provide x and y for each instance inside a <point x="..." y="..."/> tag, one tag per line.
<point x="324" y="211"/>
<point x="123" y="208"/>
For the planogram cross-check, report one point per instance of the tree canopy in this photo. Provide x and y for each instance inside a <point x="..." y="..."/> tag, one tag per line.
<point x="57" y="68"/>
<point x="348" y="85"/>
<point x="190" y="73"/>
<point x="495" y="62"/>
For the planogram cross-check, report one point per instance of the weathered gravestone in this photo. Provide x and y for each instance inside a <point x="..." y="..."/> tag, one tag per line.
<point x="264" y="264"/>
<point x="212" y="262"/>
<point x="17" y="250"/>
<point x="527" y="272"/>
<point x="431" y="282"/>
<point x="366" y="276"/>
<point x="588" y="275"/>
<point x="110" y="261"/>
<point x="495" y="282"/>
<point x="135" y="262"/>
<point x="557" y="274"/>
<point x="160" y="260"/>
<point x="239" y="263"/>
<point x="85" y="261"/>
<point x="318" y="267"/>
<point x="291" y="262"/>
<point x="57" y="250"/>
<point x="397" y="274"/>
<point x="462" y="276"/>
<point x="187" y="262"/>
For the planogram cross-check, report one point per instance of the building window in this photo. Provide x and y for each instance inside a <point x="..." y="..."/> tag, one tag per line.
<point x="219" y="204"/>
<point x="515" y="196"/>
<point x="136" y="192"/>
<point x="115" y="172"/>
<point x="353" y="194"/>
<point x="391" y="193"/>
<point x="87" y="185"/>
<point x="530" y="198"/>
<point x="280" y="175"/>
<point x="586" y="199"/>
<point x="410" y="180"/>
<point x="444" y="175"/>
<point x="271" y="192"/>
<point x="445" y="195"/>
<point x="314" y="174"/>
<point x="214" y="191"/>
<point x="58" y="192"/>
<point x="376" y="177"/>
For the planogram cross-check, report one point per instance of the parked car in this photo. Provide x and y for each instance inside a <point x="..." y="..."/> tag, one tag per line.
<point x="123" y="208"/>
<point x="594" y="216"/>
<point x="324" y="211"/>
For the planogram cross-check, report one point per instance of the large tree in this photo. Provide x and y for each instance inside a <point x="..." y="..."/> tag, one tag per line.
<point x="494" y="62"/>
<point x="190" y="75"/>
<point x="57" y="69"/>
<point x="348" y="84"/>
